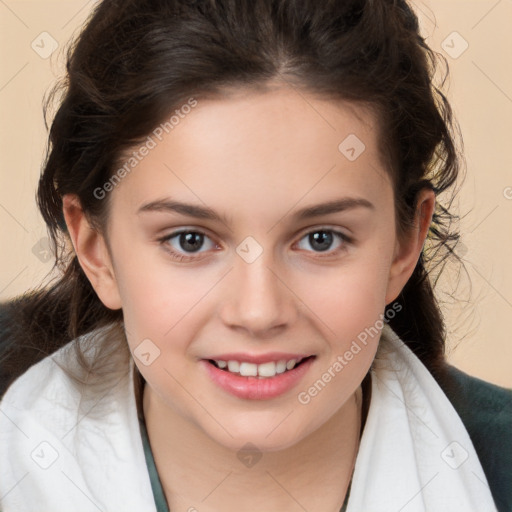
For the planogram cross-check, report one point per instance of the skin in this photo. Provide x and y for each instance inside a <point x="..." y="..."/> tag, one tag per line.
<point x="256" y="158"/>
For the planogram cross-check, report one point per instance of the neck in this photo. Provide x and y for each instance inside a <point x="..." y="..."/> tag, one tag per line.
<point x="198" y="473"/>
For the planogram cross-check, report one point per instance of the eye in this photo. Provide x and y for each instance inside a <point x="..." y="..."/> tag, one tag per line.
<point x="182" y="245"/>
<point x="322" y="240"/>
<point x="187" y="245"/>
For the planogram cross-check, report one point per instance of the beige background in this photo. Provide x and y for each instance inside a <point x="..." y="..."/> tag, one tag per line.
<point x="480" y="89"/>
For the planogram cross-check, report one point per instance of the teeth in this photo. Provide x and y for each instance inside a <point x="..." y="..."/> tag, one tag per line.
<point x="281" y="367"/>
<point x="264" y="370"/>
<point x="248" y="369"/>
<point x="267" y="369"/>
<point x="233" y="366"/>
<point x="290" y="364"/>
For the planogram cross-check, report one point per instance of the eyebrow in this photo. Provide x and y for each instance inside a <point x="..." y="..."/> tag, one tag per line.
<point x="203" y="212"/>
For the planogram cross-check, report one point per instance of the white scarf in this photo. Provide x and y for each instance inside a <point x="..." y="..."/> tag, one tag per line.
<point x="415" y="454"/>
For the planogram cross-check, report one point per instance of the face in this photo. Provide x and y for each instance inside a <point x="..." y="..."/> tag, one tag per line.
<point x="258" y="232"/>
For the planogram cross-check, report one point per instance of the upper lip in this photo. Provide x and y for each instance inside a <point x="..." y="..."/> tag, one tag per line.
<point x="259" y="358"/>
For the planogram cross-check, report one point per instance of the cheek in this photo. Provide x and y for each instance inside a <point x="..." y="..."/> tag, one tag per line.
<point x="157" y="296"/>
<point x="350" y="309"/>
<point x="348" y="299"/>
<point x="349" y="304"/>
<point x="161" y="309"/>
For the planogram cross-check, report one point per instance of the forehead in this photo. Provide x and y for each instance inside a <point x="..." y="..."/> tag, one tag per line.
<point x="249" y="147"/>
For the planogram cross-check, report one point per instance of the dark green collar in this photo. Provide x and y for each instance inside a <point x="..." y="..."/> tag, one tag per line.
<point x="158" y="493"/>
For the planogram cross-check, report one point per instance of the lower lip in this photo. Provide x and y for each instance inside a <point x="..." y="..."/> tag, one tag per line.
<point x="254" y="388"/>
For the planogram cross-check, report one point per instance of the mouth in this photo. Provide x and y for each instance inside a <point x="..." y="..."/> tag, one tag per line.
<point x="257" y="376"/>
<point x="261" y="371"/>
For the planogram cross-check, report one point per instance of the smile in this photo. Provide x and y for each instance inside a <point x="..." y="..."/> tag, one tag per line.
<point x="263" y="370"/>
<point x="257" y="381"/>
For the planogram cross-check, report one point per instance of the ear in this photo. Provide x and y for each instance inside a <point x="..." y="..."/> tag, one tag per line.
<point x="92" y="252"/>
<point x="408" y="251"/>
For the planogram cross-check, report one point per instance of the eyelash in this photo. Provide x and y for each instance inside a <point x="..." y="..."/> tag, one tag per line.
<point x="346" y="240"/>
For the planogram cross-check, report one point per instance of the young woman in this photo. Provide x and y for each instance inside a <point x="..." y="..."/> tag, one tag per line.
<point x="244" y="199"/>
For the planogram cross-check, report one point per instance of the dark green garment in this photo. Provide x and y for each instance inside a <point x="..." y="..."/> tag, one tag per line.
<point x="486" y="411"/>
<point x="158" y="493"/>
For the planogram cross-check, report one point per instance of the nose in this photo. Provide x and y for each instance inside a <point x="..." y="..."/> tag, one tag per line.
<point x="257" y="299"/>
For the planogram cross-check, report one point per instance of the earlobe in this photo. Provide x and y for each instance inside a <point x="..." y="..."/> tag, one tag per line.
<point x="409" y="250"/>
<point x="92" y="252"/>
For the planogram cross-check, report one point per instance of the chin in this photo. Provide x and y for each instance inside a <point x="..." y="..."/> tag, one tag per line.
<point x="262" y="436"/>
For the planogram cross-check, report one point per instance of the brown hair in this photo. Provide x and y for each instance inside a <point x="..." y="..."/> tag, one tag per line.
<point x="137" y="60"/>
